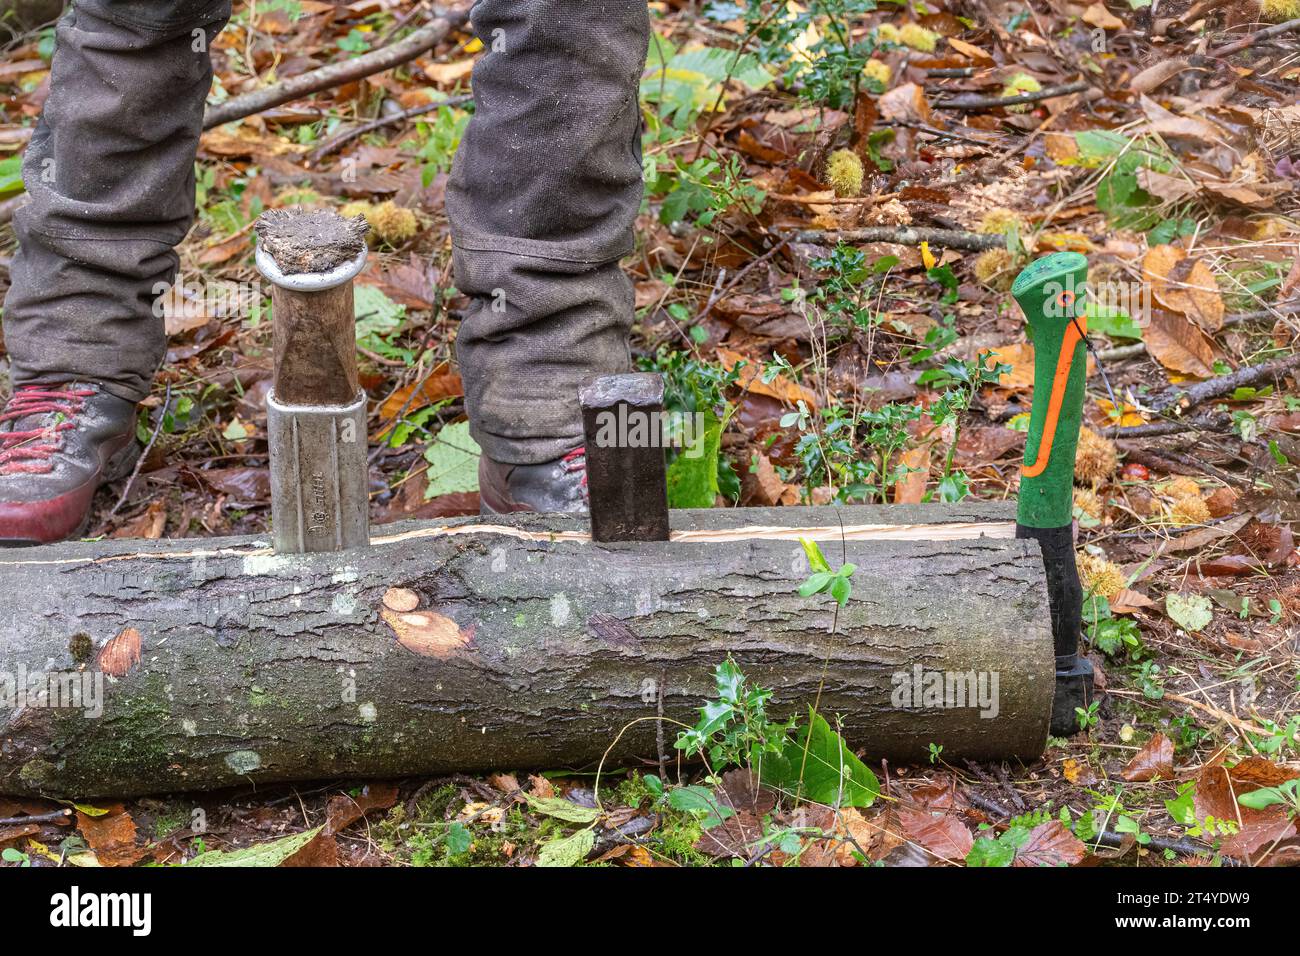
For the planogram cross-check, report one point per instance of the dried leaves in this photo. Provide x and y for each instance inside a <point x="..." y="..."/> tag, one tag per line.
<point x="1156" y="759"/>
<point x="1185" y="285"/>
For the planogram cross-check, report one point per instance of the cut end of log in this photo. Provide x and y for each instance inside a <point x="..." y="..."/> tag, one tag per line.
<point x="302" y="241"/>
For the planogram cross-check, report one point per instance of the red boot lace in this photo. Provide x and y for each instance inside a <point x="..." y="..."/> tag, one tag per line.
<point x="31" y="452"/>
<point x="576" y="460"/>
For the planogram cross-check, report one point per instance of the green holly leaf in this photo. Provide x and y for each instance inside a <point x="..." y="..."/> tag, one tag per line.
<point x="701" y="801"/>
<point x="831" y="772"/>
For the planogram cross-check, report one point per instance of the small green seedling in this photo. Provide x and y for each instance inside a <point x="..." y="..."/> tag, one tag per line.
<point x="823" y="580"/>
<point x="1087" y="718"/>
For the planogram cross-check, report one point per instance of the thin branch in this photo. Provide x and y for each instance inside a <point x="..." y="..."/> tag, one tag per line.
<point x="1258" y="36"/>
<point x="907" y="236"/>
<point x="139" y="462"/>
<point x="334" y="143"/>
<point x="992" y="102"/>
<point x="337" y="74"/>
<point x="1214" y="388"/>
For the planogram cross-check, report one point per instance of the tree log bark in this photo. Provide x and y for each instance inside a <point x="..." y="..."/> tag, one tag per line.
<point x="518" y="644"/>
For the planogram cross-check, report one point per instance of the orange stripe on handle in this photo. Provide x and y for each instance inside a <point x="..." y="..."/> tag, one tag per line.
<point x="1060" y="381"/>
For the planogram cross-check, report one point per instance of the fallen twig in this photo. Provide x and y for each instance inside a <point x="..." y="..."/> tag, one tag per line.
<point x="1175" y="463"/>
<point x="737" y="279"/>
<point x="336" y="74"/>
<point x="1117" y="841"/>
<point x="1186" y="398"/>
<point x="139" y="462"/>
<point x="1107" y="838"/>
<point x="1290" y="307"/>
<point x="1243" y="725"/>
<point x="935" y="131"/>
<point x="1217" y="424"/>
<point x="36" y="818"/>
<point x="974" y="102"/>
<point x="342" y="139"/>
<point x="1258" y="36"/>
<point x="908" y="236"/>
<point x="1121" y="352"/>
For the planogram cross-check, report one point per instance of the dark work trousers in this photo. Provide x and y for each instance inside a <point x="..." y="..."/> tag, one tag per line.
<point x="543" y="197"/>
<point x="110" y="171"/>
<point x="542" y="200"/>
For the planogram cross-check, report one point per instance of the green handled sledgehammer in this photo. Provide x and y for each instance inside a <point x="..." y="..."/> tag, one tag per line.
<point x="1051" y="292"/>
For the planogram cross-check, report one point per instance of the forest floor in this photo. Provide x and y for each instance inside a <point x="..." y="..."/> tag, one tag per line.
<point x="1163" y="141"/>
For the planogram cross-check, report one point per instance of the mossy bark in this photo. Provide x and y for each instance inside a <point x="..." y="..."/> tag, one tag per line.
<point x="526" y="650"/>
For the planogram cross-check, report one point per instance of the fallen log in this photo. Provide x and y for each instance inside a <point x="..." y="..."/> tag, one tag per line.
<point x="520" y="643"/>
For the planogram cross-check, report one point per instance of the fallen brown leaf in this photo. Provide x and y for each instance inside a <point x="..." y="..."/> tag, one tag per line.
<point x="1156" y="75"/>
<point x="762" y="486"/>
<point x="1098" y="16"/>
<point x="943" y="835"/>
<point x="1217" y="790"/>
<point x="1079" y="772"/>
<point x="1189" y="287"/>
<point x="149" y="524"/>
<point x="1156" y="759"/>
<point x="1050" y="844"/>
<point x="906" y="103"/>
<point x="322" y="850"/>
<point x="1170" y="124"/>
<point x="443" y="383"/>
<point x="111" y="837"/>
<point x="1178" y="345"/>
<point x="911" y="490"/>
<point x="343" y="809"/>
<point x="780" y="388"/>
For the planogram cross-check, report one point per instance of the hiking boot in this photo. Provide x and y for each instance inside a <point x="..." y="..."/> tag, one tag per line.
<point x="559" y="485"/>
<point x="58" y="445"/>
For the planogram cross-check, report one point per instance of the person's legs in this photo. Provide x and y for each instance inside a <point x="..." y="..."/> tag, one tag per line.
<point x="110" y="172"/>
<point x="542" y="201"/>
